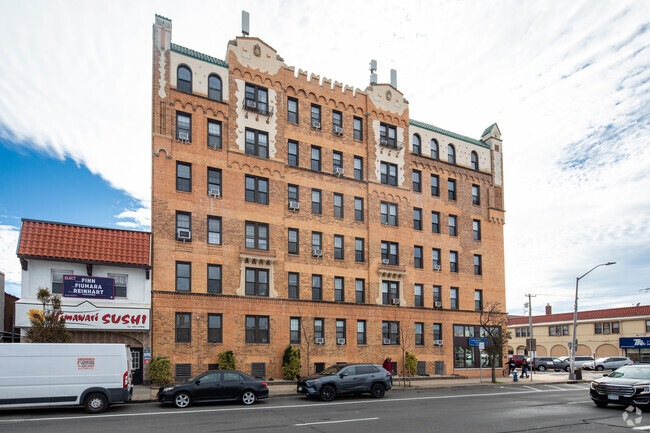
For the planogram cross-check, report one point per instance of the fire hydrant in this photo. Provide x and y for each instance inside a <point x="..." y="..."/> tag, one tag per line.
<point x="514" y="376"/>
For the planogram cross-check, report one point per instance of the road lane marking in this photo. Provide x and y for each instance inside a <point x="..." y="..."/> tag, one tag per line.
<point x="580" y="402"/>
<point x="335" y="422"/>
<point x="645" y="427"/>
<point x="534" y="389"/>
<point x="292" y="406"/>
<point x="556" y="387"/>
<point x="577" y="386"/>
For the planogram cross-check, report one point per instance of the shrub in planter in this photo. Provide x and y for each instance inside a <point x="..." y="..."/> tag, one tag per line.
<point x="411" y="364"/>
<point x="291" y="363"/>
<point x="160" y="371"/>
<point x="227" y="360"/>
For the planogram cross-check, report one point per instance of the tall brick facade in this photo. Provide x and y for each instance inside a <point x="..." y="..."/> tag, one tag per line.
<point x="200" y="219"/>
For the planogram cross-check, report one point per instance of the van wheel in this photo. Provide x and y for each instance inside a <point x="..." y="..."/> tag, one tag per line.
<point x="377" y="390"/>
<point x="182" y="399"/>
<point x="248" y="397"/>
<point x="95" y="402"/>
<point x="327" y="393"/>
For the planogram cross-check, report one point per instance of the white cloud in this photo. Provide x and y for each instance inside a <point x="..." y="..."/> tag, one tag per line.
<point x="567" y="83"/>
<point x="141" y="218"/>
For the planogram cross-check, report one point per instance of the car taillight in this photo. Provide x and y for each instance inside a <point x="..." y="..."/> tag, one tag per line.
<point x="263" y="383"/>
<point x="125" y="379"/>
<point x="389" y="373"/>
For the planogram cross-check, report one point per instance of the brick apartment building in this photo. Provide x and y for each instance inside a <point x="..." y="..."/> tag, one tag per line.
<point x="287" y="209"/>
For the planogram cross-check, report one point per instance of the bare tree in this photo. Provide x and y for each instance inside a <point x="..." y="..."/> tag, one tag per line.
<point x="405" y="339"/>
<point x="494" y="325"/>
<point x="307" y="342"/>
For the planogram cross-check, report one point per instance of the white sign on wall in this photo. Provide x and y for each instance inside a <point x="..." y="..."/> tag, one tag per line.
<point x="88" y="316"/>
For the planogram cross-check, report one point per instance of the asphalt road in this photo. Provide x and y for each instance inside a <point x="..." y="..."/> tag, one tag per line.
<point x="507" y="408"/>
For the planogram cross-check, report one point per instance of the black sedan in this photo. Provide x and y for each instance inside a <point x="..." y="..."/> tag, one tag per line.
<point x="628" y="385"/>
<point x="214" y="386"/>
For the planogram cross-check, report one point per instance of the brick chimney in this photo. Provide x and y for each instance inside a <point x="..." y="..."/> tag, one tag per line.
<point x="548" y="309"/>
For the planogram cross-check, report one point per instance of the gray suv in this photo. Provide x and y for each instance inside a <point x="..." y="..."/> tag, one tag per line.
<point x="543" y="363"/>
<point x="608" y="363"/>
<point x="346" y="379"/>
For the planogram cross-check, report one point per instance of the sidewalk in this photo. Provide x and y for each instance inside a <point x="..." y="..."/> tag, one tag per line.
<point x="143" y="393"/>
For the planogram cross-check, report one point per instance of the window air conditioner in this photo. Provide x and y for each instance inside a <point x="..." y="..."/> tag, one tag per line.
<point x="437" y="342"/>
<point x="384" y="141"/>
<point x="386" y="340"/>
<point x="317" y="253"/>
<point x="385" y="261"/>
<point x="436" y="267"/>
<point x="338" y="171"/>
<point x="319" y="340"/>
<point x="315" y="124"/>
<point x="340" y="341"/>
<point x="294" y="205"/>
<point x="395" y="301"/>
<point x="214" y="192"/>
<point x="183" y="234"/>
<point x="251" y="104"/>
<point x="338" y="130"/>
<point x="437" y="304"/>
<point x="183" y="136"/>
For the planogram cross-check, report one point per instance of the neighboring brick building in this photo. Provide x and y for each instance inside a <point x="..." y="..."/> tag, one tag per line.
<point x="290" y="210"/>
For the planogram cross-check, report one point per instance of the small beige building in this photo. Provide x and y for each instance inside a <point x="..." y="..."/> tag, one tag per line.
<point x="610" y="332"/>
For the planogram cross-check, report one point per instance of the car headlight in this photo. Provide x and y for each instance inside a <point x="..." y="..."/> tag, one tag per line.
<point x="311" y="382"/>
<point x="643" y="389"/>
<point x="168" y="388"/>
<point x="593" y="385"/>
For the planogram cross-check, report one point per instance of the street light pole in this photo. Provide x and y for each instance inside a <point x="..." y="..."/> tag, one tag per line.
<point x="572" y="376"/>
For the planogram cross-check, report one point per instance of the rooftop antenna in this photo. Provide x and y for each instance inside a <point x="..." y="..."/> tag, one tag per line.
<point x="373" y="75"/>
<point x="393" y="78"/>
<point x="245" y="23"/>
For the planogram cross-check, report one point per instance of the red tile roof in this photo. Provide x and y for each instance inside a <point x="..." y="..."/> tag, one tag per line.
<point x="51" y="240"/>
<point x="642" y="310"/>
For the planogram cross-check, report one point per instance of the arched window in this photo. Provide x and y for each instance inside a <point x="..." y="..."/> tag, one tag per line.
<point x="451" y="154"/>
<point x="417" y="144"/>
<point x="474" y="161"/>
<point x="214" y="87"/>
<point x="434" y="149"/>
<point x="184" y="79"/>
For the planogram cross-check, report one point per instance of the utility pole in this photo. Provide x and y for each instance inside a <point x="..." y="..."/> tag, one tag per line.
<point x="530" y="333"/>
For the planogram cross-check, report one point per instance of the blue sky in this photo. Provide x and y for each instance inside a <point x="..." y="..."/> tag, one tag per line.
<point x="567" y="82"/>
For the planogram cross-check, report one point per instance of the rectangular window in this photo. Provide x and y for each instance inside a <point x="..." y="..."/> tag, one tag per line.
<point x="647" y="326"/>
<point x="319" y="328"/>
<point x="478" y="264"/>
<point x="121" y="284"/>
<point x="183" y="277"/>
<point x="257" y="329"/>
<point x="388" y="173"/>
<point x="360" y="291"/>
<point x="316" y="243"/>
<point x="453" y="226"/>
<point x="337" y="162"/>
<point x="183" y="176"/>
<point x="338" y="205"/>
<point x="316" y="202"/>
<point x="476" y="195"/>
<point x="418" y="298"/>
<point x="337" y="122"/>
<point x="478" y="300"/>
<point x="293" y="158"/>
<point x="214" y="182"/>
<point x="183" y="127"/>
<point x="257" y="143"/>
<point x="435" y="185"/>
<point x="476" y="230"/>
<point x="453" y="298"/>
<point x="437" y="294"/>
<point x="615" y="329"/>
<point x="453" y="261"/>
<point x="390" y="333"/>
<point x="214" y="134"/>
<point x="215" y="328"/>
<point x="390" y="293"/>
<point x="315" y="158"/>
<point x="338" y="247"/>
<point x="292" y="110"/>
<point x="183" y="327"/>
<point x="257" y="189"/>
<point x="359" y="250"/>
<point x="358" y="128"/>
<point x="293" y="236"/>
<point x="388" y="213"/>
<point x="417" y="181"/>
<point x="317" y="287"/>
<point x="606" y="328"/>
<point x="417" y="257"/>
<point x="315" y="116"/>
<point x="435" y="222"/>
<point x="565" y="329"/>
<point x="361" y="332"/>
<point x="339" y="289"/>
<point x="257" y="282"/>
<point x="459" y="331"/>
<point x="435" y="253"/>
<point x="358" y="209"/>
<point x="294" y="285"/>
<point x="417" y="218"/>
<point x="437" y="331"/>
<point x="419" y="334"/>
<point x="390" y="253"/>
<point x="358" y="168"/>
<point x="183" y="226"/>
<point x="293" y="195"/>
<point x="294" y="330"/>
<point x="598" y="328"/>
<point x="340" y="331"/>
<point x="256" y="99"/>
<point x="387" y="135"/>
<point x="214" y="230"/>
<point x="451" y="189"/>
<point x="257" y="235"/>
<point x="214" y="278"/>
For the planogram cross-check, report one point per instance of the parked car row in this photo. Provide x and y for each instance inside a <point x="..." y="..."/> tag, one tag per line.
<point x="543" y="363"/>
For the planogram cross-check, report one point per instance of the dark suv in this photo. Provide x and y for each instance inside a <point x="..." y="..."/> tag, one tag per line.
<point x="346" y="379"/>
<point x="544" y="363"/>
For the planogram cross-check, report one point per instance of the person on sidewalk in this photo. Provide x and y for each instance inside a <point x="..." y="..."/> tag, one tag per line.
<point x="511" y="366"/>
<point x="524" y="368"/>
<point x="388" y="365"/>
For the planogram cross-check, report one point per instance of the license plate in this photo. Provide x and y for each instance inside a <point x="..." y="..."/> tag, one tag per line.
<point x="299" y="388"/>
<point x="612" y="397"/>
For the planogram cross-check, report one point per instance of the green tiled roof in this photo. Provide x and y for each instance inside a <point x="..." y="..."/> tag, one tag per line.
<point x="200" y="56"/>
<point x="488" y="129"/>
<point x="160" y="16"/>
<point x="448" y="133"/>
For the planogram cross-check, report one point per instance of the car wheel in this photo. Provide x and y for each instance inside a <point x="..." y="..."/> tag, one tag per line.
<point x="600" y="403"/>
<point x="95" y="402"/>
<point x="541" y="368"/>
<point x="599" y="368"/>
<point x="182" y="399"/>
<point x="327" y="393"/>
<point x="377" y="390"/>
<point x="567" y="368"/>
<point x="248" y="397"/>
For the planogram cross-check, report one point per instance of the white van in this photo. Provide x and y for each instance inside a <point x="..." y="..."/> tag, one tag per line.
<point x="45" y="374"/>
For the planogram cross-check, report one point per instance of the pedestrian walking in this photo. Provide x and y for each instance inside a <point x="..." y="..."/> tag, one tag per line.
<point x="511" y="366"/>
<point x="388" y="365"/>
<point x="524" y="368"/>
